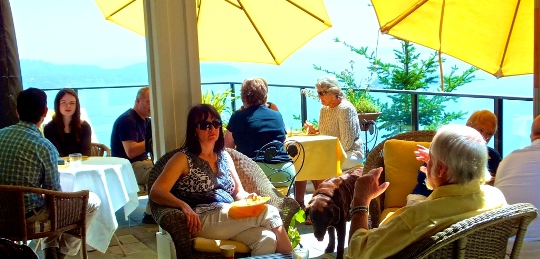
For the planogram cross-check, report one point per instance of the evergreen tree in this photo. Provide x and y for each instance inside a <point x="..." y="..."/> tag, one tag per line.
<point x="409" y="72"/>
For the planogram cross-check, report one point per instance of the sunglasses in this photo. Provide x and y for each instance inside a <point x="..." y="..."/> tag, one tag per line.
<point x="206" y="125"/>
<point x="322" y="93"/>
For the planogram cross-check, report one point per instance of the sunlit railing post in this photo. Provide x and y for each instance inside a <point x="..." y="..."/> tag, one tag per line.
<point x="233" y="96"/>
<point x="498" y="110"/>
<point x="303" y="108"/>
<point x="414" y="112"/>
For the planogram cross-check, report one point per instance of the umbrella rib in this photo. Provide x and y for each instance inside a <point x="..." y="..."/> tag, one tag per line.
<point x="440" y="44"/>
<point x="387" y="27"/>
<point x="309" y="13"/>
<point x="120" y="9"/>
<point x="499" y="73"/>
<point x="257" y="30"/>
<point x="237" y="6"/>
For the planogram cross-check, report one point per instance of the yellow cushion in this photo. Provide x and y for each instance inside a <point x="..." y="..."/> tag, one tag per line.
<point x="212" y="246"/>
<point x="401" y="170"/>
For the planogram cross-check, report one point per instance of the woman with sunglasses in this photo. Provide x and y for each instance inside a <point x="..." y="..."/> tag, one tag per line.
<point x="256" y="125"/>
<point x="338" y="118"/>
<point x="68" y="133"/>
<point x="201" y="180"/>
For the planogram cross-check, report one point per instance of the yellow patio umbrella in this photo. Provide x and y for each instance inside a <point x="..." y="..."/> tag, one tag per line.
<point x="496" y="36"/>
<point x="259" y="31"/>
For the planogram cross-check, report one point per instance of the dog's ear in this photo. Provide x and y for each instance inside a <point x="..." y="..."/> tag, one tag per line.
<point x="335" y="215"/>
<point x="307" y="209"/>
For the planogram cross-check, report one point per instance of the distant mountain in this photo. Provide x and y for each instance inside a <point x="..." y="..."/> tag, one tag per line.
<point x="46" y="75"/>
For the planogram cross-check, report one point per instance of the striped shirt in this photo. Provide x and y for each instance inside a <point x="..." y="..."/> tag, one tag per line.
<point x="28" y="159"/>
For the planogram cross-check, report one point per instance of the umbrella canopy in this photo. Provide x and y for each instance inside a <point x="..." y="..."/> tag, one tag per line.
<point x="259" y="31"/>
<point x="496" y="36"/>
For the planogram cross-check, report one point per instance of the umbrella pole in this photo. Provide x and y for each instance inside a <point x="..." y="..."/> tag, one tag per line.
<point x="536" y="74"/>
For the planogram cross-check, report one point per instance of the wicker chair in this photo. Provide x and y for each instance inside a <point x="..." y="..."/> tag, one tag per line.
<point x="375" y="159"/>
<point x="253" y="180"/>
<point x="482" y="236"/>
<point x="99" y="149"/>
<point x="67" y="213"/>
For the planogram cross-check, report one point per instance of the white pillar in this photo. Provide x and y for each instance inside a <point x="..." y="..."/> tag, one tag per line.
<point x="173" y="69"/>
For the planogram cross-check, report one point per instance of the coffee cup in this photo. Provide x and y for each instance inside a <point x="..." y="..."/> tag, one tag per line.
<point x="227" y="251"/>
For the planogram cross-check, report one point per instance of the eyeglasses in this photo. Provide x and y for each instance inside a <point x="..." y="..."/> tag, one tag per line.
<point x="322" y="93"/>
<point x="206" y="125"/>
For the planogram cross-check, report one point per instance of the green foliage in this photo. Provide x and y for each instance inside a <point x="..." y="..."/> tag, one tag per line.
<point x="315" y="122"/>
<point x="409" y="72"/>
<point x="292" y="232"/>
<point x="218" y="100"/>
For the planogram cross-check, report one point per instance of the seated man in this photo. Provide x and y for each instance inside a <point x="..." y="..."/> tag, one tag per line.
<point x="518" y="178"/>
<point x="29" y="159"/>
<point x="128" y="141"/>
<point x="457" y="170"/>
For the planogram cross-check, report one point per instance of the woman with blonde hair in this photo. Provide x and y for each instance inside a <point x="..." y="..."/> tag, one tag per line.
<point x="68" y="133"/>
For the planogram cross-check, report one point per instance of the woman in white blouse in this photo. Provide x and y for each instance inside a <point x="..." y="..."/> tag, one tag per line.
<point x="338" y="118"/>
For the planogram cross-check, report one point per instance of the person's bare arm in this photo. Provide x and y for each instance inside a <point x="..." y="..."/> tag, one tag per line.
<point x="161" y="190"/>
<point x="229" y="140"/>
<point x="366" y="188"/>
<point x="133" y="148"/>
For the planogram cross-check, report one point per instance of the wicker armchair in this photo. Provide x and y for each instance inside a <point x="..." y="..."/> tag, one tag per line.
<point x="375" y="159"/>
<point x="99" y="149"/>
<point x="67" y="213"/>
<point x="482" y="236"/>
<point x="253" y="180"/>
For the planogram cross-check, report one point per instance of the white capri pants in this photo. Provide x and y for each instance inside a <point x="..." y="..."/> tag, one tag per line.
<point x="255" y="232"/>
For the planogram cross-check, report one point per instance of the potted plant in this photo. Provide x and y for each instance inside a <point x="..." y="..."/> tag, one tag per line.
<point x="366" y="106"/>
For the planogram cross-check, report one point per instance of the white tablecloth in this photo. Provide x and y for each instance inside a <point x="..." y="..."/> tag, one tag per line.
<point x="113" y="180"/>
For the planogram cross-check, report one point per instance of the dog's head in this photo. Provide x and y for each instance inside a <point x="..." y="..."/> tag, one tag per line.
<point x="323" y="213"/>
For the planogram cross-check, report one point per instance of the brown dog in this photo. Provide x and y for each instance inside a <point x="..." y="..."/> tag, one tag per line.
<point x="329" y="209"/>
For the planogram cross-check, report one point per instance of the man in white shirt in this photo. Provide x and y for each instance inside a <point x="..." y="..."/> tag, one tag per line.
<point x="518" y="177"/>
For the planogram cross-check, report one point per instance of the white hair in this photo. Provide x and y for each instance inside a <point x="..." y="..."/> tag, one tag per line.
<point x="463" y="150"/>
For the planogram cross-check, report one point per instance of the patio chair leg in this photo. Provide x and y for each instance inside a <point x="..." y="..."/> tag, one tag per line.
<point x="120" y="245"/>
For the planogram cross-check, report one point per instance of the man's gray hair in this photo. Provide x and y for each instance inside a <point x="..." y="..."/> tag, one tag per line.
<point x="463" y="150"/>
<point x="142" y="92"/>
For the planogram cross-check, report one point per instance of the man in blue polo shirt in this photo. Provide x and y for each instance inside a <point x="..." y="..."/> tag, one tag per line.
<point x="128" y="140"/>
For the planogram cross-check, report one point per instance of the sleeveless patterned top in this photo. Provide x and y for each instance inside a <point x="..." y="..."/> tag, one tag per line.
<point x="204" y="190"/>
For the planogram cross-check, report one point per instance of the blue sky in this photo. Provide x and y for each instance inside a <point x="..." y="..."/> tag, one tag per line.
<point x="75" y="32"/>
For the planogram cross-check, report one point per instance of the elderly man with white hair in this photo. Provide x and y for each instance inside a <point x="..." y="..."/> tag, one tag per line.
<point x="456" y="171"/>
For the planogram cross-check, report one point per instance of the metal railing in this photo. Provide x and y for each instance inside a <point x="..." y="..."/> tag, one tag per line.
<point x="498" y="101"/>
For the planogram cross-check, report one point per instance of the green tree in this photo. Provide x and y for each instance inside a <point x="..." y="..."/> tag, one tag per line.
<point x="409" y="72"/>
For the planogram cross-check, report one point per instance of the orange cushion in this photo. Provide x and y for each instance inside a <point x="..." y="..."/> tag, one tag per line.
<point x="401" y="170"/>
